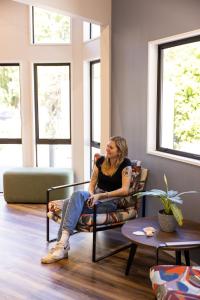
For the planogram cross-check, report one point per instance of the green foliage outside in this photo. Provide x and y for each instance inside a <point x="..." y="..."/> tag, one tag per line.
<point x="51" y="27"/>
<point x="51" y="101"/>
<point x="9" y="86"/>
<point x="183" y="71"/>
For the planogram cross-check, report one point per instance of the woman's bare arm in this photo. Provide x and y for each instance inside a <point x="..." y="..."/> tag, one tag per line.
<point x="123" y="191"/>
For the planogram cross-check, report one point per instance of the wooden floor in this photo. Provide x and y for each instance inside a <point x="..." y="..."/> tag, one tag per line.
<point x="22" y="276"/>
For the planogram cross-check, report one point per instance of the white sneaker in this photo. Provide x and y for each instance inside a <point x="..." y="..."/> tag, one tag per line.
<point x="56" y="253"/>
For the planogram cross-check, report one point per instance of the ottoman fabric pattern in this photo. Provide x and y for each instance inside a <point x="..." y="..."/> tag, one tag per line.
<point x="176" y="282"/>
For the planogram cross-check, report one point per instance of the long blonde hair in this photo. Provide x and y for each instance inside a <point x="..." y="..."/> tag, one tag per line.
<point x="122" y="147"/>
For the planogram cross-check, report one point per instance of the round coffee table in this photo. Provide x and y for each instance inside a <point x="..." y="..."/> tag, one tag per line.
<point x="184" y="238"/>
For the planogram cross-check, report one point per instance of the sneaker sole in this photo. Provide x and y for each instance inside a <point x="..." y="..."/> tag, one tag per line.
<point x="50" y="261"/>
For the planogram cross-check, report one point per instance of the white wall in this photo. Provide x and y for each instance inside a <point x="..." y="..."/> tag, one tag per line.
<point x="98" y="11"/>
<point x="16" y="48"/>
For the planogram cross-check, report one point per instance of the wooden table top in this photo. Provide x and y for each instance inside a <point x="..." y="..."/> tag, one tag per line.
<point x="190" y="231"/>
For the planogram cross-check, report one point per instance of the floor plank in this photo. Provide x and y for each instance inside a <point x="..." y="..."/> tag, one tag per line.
<point x="22" y="276"/>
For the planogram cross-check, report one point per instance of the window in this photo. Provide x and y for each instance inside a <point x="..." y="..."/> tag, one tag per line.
<point x="91" y="31"/>
<point x="52" y="114"/>
<point x="95" y="108"/>
<point x="50" y="27"/>
<point x="178" y="117"/>
<point x="10" y="117"/>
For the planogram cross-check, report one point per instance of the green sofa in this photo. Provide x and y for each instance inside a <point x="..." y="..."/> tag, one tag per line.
<point x="29" y="185"/>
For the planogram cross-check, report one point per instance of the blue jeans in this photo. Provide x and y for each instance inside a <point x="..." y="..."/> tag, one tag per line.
<point x="75" y="206"/>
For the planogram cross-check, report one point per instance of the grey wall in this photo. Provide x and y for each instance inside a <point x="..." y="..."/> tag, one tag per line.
<point x="134" y="23"/>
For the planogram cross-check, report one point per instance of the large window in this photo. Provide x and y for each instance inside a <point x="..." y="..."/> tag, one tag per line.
<point x="52" y="114"/>
<point x="95" y="107"/>
<point x="50" y="27"/>
<point x="178" y="119"/>
<point x="10" y="117"/>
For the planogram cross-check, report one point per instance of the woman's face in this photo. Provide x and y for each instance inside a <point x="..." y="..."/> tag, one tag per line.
<point x="112" y="150"/>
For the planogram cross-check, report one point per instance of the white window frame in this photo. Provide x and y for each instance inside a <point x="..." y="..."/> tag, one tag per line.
<point x="152" y="98"/>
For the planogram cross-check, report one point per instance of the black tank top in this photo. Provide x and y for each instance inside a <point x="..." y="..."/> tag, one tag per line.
<point x="114" y="182"/>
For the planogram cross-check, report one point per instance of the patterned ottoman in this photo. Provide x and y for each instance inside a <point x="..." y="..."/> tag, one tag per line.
<point x="175" y="282"/>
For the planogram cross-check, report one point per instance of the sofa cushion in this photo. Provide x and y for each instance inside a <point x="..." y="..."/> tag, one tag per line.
<point x="86" y="220"/>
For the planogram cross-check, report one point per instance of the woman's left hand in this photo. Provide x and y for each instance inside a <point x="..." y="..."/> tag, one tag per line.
<point x="92" y="200"/>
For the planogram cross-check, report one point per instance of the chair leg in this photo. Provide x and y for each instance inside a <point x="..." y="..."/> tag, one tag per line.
<point x="131" y="257"/>
<point x="94" y="235"/>
<point x="47" y="219"/>
<point x="94" y="242"/>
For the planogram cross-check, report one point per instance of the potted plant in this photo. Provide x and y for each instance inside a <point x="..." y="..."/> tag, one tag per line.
<point x="171" y="214"/>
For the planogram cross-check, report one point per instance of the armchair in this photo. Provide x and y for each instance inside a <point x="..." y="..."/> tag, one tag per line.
<point x="128" y="208"/>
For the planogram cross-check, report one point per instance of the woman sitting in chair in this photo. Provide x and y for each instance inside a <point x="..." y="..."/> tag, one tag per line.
<point x="110" y="178"/>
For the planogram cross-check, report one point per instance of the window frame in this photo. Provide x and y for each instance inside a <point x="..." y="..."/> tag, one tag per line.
<point x="161" y="47"/>
<point x="13" y="140"/>
<point x="93" y="143"/>
<point x="42" y="141"/>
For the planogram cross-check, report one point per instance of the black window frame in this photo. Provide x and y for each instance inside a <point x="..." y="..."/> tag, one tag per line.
<point x="13" y="141"/>
<point x="92" y="142"/>
<point x="161" y="47"/>
<point x="39" y="141"/>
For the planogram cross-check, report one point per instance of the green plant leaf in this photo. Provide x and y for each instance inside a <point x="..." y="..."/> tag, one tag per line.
<point x="177" y="214"/>
<point x="166" y="183"/>
<point x="176" y="200"/>
<point x="153" y="193"/>
<point x="172" y="193"/>
<point x="188" y="192"/>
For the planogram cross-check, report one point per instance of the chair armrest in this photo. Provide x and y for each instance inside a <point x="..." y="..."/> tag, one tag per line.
<point x="64" y="187"/>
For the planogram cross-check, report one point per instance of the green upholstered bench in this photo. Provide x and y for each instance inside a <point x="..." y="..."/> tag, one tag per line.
<point x="29" y="185"/>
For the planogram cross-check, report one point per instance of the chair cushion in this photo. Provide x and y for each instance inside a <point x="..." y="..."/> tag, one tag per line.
<point x="175" y="282"/>
<point x="86" y="220"/>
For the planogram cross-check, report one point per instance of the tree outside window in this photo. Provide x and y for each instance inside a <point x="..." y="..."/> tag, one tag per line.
<point x="179" y="98"/>
<point x="50" y="27"/>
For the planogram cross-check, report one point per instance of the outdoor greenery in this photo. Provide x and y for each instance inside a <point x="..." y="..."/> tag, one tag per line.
<point x="50" y="27"/>
<point x="9" y="86"/>
<point x="53" y="101"/>
<point x="183" y="72"/>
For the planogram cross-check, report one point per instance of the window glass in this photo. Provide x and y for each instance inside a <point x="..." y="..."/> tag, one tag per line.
<point x="54" y="156"/>
<point x="10" y="155"/>
<point x="86" y="31"/>
<point x="53" y="95"/>
<point x="96" y="102"/>
<point x="96" y="31"/>
<point x="10" y="118"/>
<point x="52" y="115"/>
<point x="179" y="101"/>
<point x="50" y="27"/>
